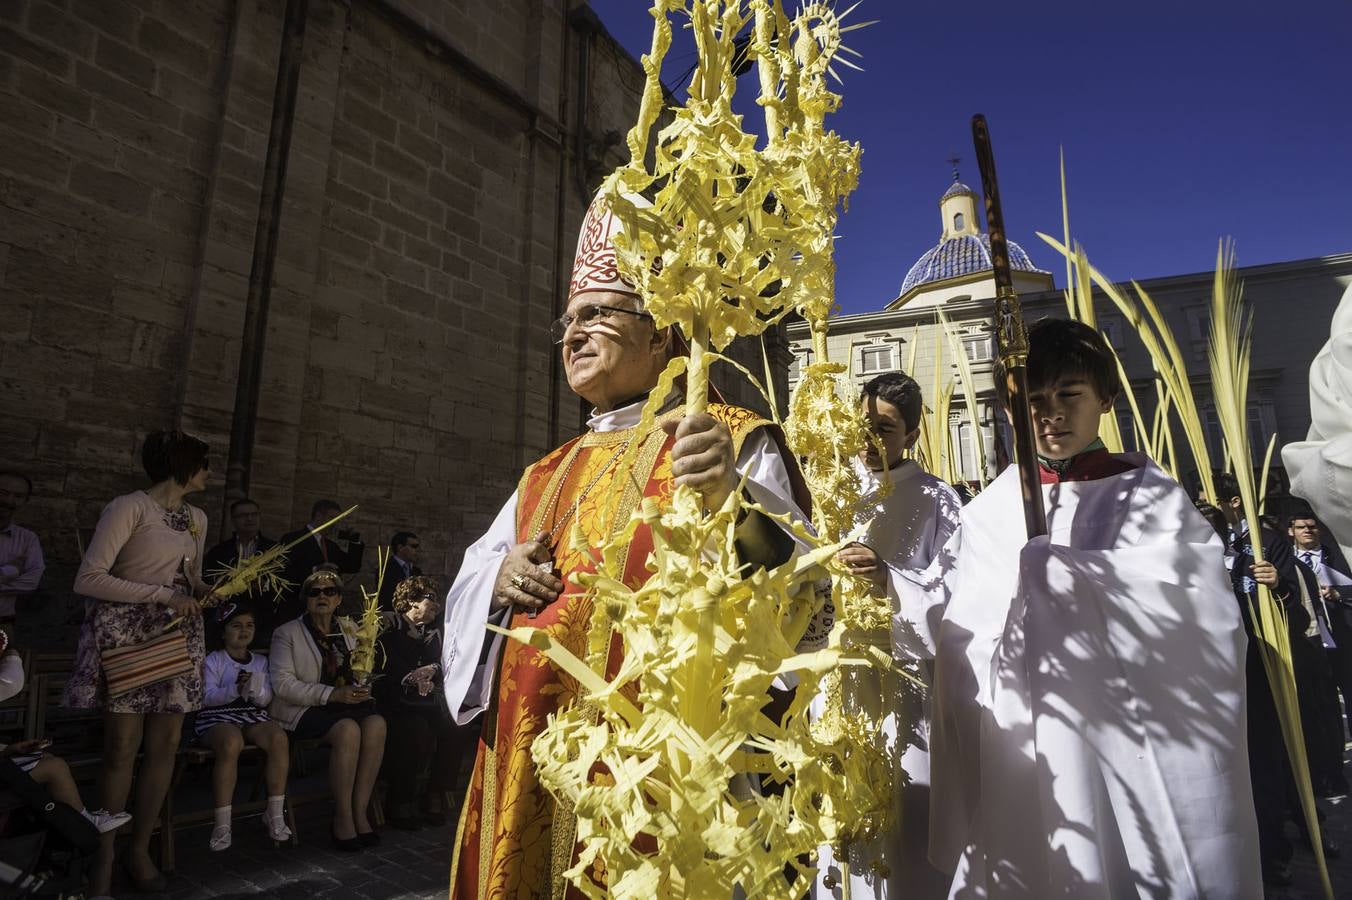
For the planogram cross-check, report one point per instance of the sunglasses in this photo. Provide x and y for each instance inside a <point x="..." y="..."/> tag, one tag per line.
<point x="323" y="592"/>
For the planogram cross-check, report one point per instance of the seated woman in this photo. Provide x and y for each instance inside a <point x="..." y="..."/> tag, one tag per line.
<point x="314" y="697"/>
<point x="49" y="771"/>
<point x="410" y="696"/>
<point x="238" y="691"/>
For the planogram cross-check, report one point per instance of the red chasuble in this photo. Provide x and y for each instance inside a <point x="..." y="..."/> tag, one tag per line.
<point x="514" y="841"/>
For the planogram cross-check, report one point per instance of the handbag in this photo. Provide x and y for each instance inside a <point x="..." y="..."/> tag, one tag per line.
<point x="149" y="662"/>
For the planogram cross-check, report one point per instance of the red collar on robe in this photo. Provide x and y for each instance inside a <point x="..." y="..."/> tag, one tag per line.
<point x="1090" y="465"/>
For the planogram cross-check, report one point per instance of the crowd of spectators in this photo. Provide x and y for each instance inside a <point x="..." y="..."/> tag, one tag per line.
<point x="156" y="650"/>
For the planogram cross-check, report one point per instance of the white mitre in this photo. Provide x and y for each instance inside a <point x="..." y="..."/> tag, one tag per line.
<point x="1321" y="465"/>
<point x="595" y="267"/>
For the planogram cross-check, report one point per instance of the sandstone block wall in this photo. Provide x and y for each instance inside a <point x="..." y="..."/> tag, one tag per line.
<point x="440" y="165"/>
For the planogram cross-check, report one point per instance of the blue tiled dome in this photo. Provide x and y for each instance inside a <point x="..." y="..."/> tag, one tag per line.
<point x="965" y="254"/>
<point x="956" y="188"/>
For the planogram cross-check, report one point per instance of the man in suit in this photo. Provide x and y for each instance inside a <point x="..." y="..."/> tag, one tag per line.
<point x="1328" y="570"/>
<point x="403" y="564"/>
<point x="247" y="541"/>
<point x="318" y="550"/>
<point x="21" y="561"/>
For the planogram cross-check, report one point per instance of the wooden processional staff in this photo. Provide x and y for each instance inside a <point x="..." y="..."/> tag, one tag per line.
<point x="1011" y="337"/>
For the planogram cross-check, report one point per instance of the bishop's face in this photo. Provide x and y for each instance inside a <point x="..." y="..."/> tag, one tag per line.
<point x="615" y="356"/>
<point x="1066" y="416"/>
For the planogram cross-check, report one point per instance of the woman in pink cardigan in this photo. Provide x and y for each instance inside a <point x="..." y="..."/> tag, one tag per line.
<point x="142" y="570"/>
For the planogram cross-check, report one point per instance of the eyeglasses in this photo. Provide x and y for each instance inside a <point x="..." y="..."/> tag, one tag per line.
<point x="413" y="546"/>
<point x="586" y="317"/>
<point x="330" y="591"/>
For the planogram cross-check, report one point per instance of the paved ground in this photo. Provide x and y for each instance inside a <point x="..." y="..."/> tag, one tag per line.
<point x="405" y="865"/>
<point x="1338" y="827"/>
<point x="416" y="865"/>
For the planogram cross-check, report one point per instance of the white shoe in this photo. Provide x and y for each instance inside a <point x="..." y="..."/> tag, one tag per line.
<point x="105" y="821"/>
<point x="277" y="829"/>
<point x="220" y="838"/>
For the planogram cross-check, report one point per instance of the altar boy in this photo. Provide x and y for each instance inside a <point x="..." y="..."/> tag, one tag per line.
<point x="1088" y="707"/>
<point x="910" y="515"/>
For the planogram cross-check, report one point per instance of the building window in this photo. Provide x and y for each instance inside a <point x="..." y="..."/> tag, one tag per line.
<point x="1126" y="426"/>
<point x="967" y="455"/>
<point x="1262" y="425"/>
<point x="875" y="358"/>
<point x="1198" y="319"/>
<point x="802" y="358"/>
<point x="979" y="348"/>
<point x="958" y="221"/>
<point x="1112" y="333"/>
<point x="1262" y="419"/>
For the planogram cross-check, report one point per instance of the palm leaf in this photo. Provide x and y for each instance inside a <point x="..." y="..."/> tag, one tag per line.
<point x="1230" y="349"/>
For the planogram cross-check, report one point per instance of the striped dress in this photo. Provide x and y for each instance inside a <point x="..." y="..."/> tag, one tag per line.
<point x="225" y="704"/>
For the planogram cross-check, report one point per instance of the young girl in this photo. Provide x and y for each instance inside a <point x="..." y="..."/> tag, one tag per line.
<point x="237" y="689"/>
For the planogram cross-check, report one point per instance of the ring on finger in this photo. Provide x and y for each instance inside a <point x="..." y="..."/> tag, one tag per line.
<point x="519" y="581"/>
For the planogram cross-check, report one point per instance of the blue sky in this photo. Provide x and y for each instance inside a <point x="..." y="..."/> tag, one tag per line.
<point x="1182" y="123"/>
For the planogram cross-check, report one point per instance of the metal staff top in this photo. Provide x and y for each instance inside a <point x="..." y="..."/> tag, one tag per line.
<point x="1011" y="337"/>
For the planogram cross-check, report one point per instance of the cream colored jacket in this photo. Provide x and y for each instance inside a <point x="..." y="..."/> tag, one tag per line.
<point x="294" y="665"/>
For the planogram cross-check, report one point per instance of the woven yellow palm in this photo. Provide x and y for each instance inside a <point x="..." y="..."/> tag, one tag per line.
<point x="826" y="428"/>
<point x="704" y="791"/>
<point x="702" y="646"/>
<point x="737" y="235"/>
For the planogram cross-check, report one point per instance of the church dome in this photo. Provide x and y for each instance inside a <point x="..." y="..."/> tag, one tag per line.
<point x="956" y="188"/>
<point x="961" y="254"/>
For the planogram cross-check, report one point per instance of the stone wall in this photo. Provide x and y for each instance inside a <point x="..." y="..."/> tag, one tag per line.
<point x="110" y="119"/>
<point x="440" y="164"/>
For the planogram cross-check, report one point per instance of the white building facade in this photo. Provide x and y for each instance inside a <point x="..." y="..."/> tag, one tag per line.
<point x="1292" y="304"/>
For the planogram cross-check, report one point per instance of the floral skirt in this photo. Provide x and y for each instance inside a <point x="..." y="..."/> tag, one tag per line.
<point x="108" y="625"/>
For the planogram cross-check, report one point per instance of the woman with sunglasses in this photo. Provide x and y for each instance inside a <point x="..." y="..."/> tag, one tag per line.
<point x="315" y="697"/>
<point x="141" y="571"/>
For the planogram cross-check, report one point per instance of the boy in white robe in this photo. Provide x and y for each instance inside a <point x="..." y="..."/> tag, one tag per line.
<point x="910" y="515"/>
<point x="1088" y="707"/>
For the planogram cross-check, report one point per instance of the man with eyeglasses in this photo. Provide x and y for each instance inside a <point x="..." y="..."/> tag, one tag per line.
<point x="526" y="568"/>
<point x="21" y="562"/>
<point x="247" y="541"/>
<point x="403" y="564"/>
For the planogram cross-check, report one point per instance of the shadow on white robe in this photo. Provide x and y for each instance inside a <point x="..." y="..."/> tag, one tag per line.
<point x="1088" y="722"/>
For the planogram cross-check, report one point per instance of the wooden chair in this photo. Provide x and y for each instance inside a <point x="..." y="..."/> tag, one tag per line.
<point x="78" y="733"/>
<point x="53" y="663"/>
